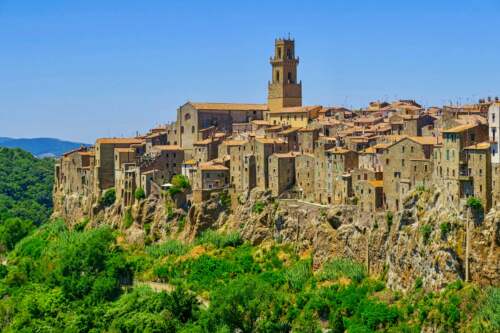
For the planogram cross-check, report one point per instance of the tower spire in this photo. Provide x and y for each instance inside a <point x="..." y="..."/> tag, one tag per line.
<point x="284" y="90"/>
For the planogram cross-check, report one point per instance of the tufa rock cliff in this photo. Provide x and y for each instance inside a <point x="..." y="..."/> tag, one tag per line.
<point x="426" y="241"/>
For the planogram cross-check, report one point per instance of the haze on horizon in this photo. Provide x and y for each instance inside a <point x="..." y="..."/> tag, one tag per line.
<point x="79" y="71"/>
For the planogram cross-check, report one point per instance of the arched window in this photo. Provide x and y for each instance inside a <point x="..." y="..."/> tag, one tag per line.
<point x="290" y="80"/>
<point x="192" y="129"/>
<point x="277" y="76"/>
<point x="187" y="116"/>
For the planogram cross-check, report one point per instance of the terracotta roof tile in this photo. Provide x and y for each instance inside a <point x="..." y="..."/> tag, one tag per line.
<point x="230" y="106"/>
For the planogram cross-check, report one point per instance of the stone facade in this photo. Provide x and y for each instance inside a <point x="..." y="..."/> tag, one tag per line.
<point x="281" y="172"/>
<point x="304" y="175"/>
<point x="407" y="164"/>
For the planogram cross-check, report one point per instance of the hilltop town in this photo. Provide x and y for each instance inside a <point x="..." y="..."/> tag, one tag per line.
<point x="371" y="157"/>
<point x="410" y="191"/>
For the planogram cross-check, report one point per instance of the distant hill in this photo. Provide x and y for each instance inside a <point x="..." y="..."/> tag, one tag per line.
<point x="41" y="147"/>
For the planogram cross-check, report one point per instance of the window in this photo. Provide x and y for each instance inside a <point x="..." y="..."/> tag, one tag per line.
<point x="277" y="76"/>
<point x="289" y="54"/>
<point x="411" y="149"/>
<point x="279" y="52"/>
<point x="290" y="80"/>
<point x="192" y="129"/>
<point x="402" y="162"/>
<point x="187" y="116"/>
<point x="403" y="149"/>
<point x="386" y="161"/>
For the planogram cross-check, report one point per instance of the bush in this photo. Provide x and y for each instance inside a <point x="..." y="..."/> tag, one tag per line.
<point x="225" y="199"/>
<point x="389" y="217"/>
<point x="108" y="198"/>
<point x="338" y="268"/>
<point x="426" y="231"/>
<point x="180" y="183"/>
<point x="170" y="247"/>
<point x="258" y="207"/>
<point x="445" y="228"/>
<point x="139" y="194"/>
<point x="475" y="204"/>
<point x="12" y="231"/>
<point x="298" y="275"/>
<point x="220" y="240"/>
<point x="128" y="220"/>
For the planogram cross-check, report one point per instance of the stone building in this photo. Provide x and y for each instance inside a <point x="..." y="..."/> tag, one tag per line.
<point x="494" y="131"/>
<point x="265" y="147"/>
<point x="74" y="172"/>
<point x="299" y="116"/>
<point x="339" y="163"/>
<point x="496" y="186"/>
<point x="304" y="175"/>
<point x="479" y="172"/>
<point x="209" y="178"/>
<point x="450" y="161"/>
<point x="237" y="152"/>
<point x="193" y="117"/>
<point x="407" y="164"/>
<point x="307" y="137"/>
<point x="206" y="150"/>
<point x="281" y="172"/>
<point x="105" y="160"/>
<point x="371" y="158"/>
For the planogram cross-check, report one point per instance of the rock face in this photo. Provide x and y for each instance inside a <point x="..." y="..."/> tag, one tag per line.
<point x="426" y="240"/>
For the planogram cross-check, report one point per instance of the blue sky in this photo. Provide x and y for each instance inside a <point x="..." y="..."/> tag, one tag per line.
<point x="80" y="70"/>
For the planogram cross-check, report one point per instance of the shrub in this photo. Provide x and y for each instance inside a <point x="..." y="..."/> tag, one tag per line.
<point x="128" y="220"/>
<point x="180" y="183"/>
<point x="181" y="222"/>
<point x="338" y="268"/>
<point x="475" y="204"/>
<point x="298" y="275"/>
<point x="170" y="247"/>
<point x="445" y="228"/>
<point x="220" y="240"/>
<point x="108" y="198"/>
<point x="80" y="226"/>
<point x="258" y="207"/>
<point x="12" y="231"/>
<point x="389" y="217"/>
<point x="419" y="282"/>
<point x="426" y="231"/>
<point x="140" y="194"/>
<point x="225" y="200"/>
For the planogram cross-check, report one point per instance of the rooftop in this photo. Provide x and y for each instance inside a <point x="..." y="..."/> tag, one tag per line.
<point x="119" y="141"/>
<point x="230" y="106"/>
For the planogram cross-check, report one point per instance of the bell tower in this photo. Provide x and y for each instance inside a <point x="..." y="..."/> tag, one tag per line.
<point x="284" y="90"/>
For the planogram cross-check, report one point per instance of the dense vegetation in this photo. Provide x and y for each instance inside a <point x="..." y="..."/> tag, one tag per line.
<point x="87" y="280"/>
<point x="25" y="194"/>
<point x="62" y="280"/>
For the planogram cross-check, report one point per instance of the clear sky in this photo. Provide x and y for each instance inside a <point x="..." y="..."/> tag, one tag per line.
<point x="80" y="70"/>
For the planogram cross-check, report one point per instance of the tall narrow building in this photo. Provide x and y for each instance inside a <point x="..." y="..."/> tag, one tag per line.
<point x="284" y="90"/>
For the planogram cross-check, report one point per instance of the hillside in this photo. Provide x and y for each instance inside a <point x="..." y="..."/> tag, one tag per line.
<point x="40" y="147"/>
<point x="89" y="276"/>
<point x="25" y="193"/>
